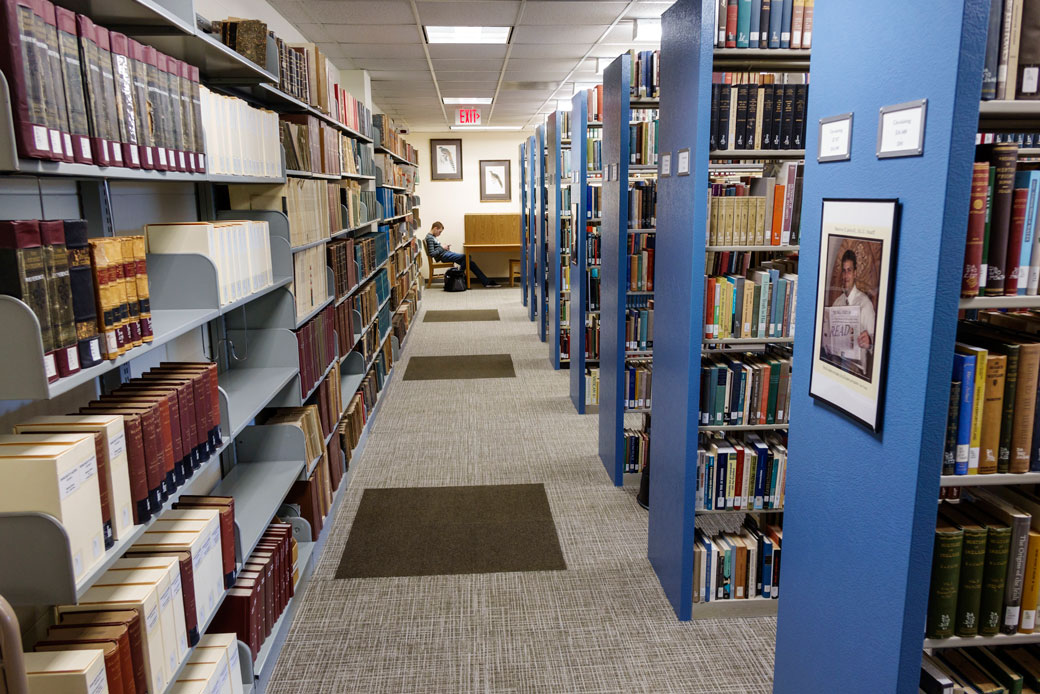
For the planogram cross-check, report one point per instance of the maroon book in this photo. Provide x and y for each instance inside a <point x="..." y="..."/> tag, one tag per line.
<point x="103" y="39"/>
<point x="1003" y="156"/>
<point x="28" y="107"/>
<point x="126" y="103"/>
<point x="1014" y="243"/>
<point x="976" y="230"/>
<point x="61" y="136"/>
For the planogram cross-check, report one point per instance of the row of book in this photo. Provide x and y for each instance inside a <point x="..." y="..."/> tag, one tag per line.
<point x="145" y="612"/>
<point x="992" y="424"/>
<point x="1024" y="140"/>
<point x="593" y="246"/>
<point x="637" y="380"/>
<point x="645" y="80"/>
<point x="757" y="210"/>
<point x="592" y="337"/>
<point x="240" y="251"/>
<point x="1001" y="257"/>
<point x="372" y="250"/>
<point x="306" y="203"/>
<point x="565" y="343"/>
<point x="745" y="389"/>
<point x="239" y="140"/>
<point x="340" y="256"/>
<point x="591" y="385"/>
<point x="642" y="142"/>
<point x="753" y="110"/>
<point x="593" y="202"/>
<point x="356" y="157"/>
<point x="760" y="304"/>
<point x="639" y="273"/>
<point x="1002" y="670"/>
<point x="594" y="150"/>
<point x="985" y="578"/>
<point x="1012" y="52"/>
<point x="735" y="474"/>
<point x="394" y="174"/>
<point x="592" y="300"/>
<point x="313" y="497"/>
<point x="642" y="204"/>
<point x="639" y="328"/>
<point x="387" y="137"/>
<point x="369" y="298"/>
<point x="310" y="280"/>
<point x="393" y="203"/>
<point x="316" y="340"/>
<point x="82" y="93"/>
<point x="263" y="589"/>
<point x="360" y="204"/>
<point x="637" y="450"/>
<point x="594" y="104"/>
<point x="764" y="23"/>
<point x="317" y="421"/>
<point x="738" y="565"/>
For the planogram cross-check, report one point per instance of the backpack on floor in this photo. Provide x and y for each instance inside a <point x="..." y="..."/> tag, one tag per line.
<point x="454" y="280"/>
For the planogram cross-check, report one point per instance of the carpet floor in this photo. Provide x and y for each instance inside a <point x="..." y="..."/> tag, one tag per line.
<point x="602" y="625"/>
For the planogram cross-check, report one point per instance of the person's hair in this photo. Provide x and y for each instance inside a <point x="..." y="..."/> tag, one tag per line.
<point x="437" y="225"/>
<point x="849" y="255"/>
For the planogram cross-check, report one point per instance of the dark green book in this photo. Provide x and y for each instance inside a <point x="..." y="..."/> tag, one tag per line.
<point x="994" y="573"/>
<point x="1007" y="419"/>
<point x="973" y="561"/>
<point x="949" y="463"/>
<point x="946" y="569"/>
<point x="774" y="387"/>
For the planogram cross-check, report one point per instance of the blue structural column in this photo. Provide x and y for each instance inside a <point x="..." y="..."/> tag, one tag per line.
<point x="579" y="251"/>
<point x="614" y="273"/>
<point x="525" y="239"/>
<point x="553" y="172"/>
<point x="861" y="507"/>
<point x="532" y="304"/>
<point x="686" y="64"/>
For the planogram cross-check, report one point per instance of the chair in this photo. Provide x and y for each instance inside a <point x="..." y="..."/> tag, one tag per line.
<point x="514" y="271"/>
<point x="433" y="266"/>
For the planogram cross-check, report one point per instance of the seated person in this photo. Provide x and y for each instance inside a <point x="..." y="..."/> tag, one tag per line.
<point x="443" y="254"/>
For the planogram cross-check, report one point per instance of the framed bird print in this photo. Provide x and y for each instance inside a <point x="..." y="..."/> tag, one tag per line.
<point x="445" y="160"/>
<point x="494" y="180"/>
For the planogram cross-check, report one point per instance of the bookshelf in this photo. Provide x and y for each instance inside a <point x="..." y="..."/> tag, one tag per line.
<point x="531" y="229"/>
<point x="614" y="235"/>
<point x="579" y="250"/>
<point x="253" y="340"/>
<point x="689" y="59"/>
<point x="556" y="228"/>
<point x="541" y="241"/>
<point x="525" y="236"/>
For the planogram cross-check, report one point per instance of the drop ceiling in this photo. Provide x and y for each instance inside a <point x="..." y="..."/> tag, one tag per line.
<point x="553" y="45"/>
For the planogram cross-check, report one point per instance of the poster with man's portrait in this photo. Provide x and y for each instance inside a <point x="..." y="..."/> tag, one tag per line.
<point x="856" y="246"/>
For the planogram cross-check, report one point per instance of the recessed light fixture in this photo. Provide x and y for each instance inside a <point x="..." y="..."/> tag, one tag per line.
<point x="647" y="30"/>
<point x="441" y="34"/>
<point x="467" y="100"/>
<point x="486" y="127"/>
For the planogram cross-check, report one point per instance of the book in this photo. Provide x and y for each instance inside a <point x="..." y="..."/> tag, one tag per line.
<point x="973" y="561"/>
<point x="993" y="408"/>
<point x="23" y="276"/>
<point x="1019" y="521"/>
<point x="1003" y="158"/>
<point x="946" y="567"/>
<point x="1028" y="68"/>
<point x="995" y="569"/>
<point x="992" y="56"/>
<point x="976" y="230"/>
<point x="964" y="371"/>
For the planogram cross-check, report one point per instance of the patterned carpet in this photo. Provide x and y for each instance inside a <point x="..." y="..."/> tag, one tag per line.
<point x="603" y="625"/>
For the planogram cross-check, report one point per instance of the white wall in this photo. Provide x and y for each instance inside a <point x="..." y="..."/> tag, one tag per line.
<point x="449" y="201"/>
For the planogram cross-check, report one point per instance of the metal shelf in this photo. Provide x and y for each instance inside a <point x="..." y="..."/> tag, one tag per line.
<point x="642" y="231"/>
<point x="711" y="512"/>
<point x="998" y="479"/>
<point x="312" y="244"/>
<point x="394" y="155"/>
<point x="998" y="640"/>
<point x="1009" y="110"/>
<point x="763" y="249"/>
<point x="270" y="95"/>
<point x="246" y="391"/>
<point x="396" y="216"/>
<point x="358" y="177"/>
<point x="1011" y="302"/>
<point x="752" y="607"/>
<point x="391" y="187"/>
<point x="743" y="427"/>
<point x="348" y="232"/>
<point x="747" y="340"/>
<point x="757" y="154"/>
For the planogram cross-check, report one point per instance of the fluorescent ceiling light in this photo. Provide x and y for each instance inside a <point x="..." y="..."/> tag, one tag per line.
<point x="647" y="30"/>
<point x="467" y="34"/>
<point x="564" y="105"/>
<point x="487" y="127"/>
<point x="467" y="100"/>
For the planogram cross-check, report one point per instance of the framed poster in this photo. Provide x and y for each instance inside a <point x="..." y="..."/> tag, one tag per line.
<point x="850" y="338"/>
<point x="494" y="180"/>
<point x="445" y="160"/>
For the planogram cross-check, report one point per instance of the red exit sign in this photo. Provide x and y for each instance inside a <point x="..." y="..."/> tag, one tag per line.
<point x="467" y="116"/>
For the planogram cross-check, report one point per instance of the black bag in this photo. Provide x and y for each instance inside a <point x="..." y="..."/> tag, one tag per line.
<point x="454" y="280"/>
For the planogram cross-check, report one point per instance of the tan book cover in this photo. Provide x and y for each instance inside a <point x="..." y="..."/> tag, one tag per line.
<point x="993" y="406"/>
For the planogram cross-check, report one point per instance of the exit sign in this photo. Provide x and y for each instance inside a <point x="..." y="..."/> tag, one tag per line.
<point x="467" y="116"/>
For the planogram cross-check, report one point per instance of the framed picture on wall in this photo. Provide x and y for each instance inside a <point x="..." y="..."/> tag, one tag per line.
<point x="850" y="339"/>
<point x="494" y="180"/>
<point x="445" y="160"/>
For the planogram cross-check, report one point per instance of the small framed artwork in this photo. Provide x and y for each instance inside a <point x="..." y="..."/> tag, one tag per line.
<point x="850" y="339"/>
<point x="445" y="160"/>
<point x="494" y="180"/>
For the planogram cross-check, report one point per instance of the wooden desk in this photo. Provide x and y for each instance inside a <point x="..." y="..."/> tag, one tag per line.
<point x="487" y="248"/>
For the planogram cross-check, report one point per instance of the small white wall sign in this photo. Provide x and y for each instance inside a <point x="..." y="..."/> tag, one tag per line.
<point x="901" y="129"/>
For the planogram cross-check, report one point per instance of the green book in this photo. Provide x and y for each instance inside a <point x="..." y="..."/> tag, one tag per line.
<point x="994" y="573"/>
<point x="977" y="680"/>
<point x="946" y="569"/>
<point x="1007" y="419"/>
<point x="1008" y="677"/>
<point x="774" y="388"/>
<point x="1021" y="660"/>
<point x="973" y="561"/>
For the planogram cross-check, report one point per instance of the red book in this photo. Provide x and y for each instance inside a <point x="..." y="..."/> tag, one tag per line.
<point x="61" y="136"/>
<point x="146" y="131"/>
<point x="79" y="120"/>
<point x="125" y="103"/>
<point x="27" y="101"/>
<point x="739" y="483"/>
<point x="108" y="92"/>
<point x="976" y="230"/>
<point x="1014" y="244"/>
<point x="95" y="96"/>
<point x="196" y="107"/>
<point x="731" y="24"/>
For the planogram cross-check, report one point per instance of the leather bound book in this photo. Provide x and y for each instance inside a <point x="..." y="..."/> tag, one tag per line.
<point x="128" y="273"/>
<point x="173" y="86"/>
<point x="125" y="618"/>
<point x="97" y="107"/>
<point x="976" y="229"/>
<point x="20" y="62"/>
<point x="158" y="107"/>
<point x="973" y="561"/>
<point x="191" y="617"/>
<point x="59" y="297"/>
<point x="57" y="79"/>
<point x="169" y="415"/>
<point x="128" y="113"/>
<point x="83" y="635"/>
<point x="139" y="66"/>
<point x="302" y="493"/>
<point x="233" y="617"/>
<point x="105" y="296"/>
<point x="192" y="429"/>
<point x="750" y="137"/>
<point x="742" y="115"/>
<point x="181" y="423"/>
<point x="81" y="280"/>
<point x="1019" y="202"/>
<point x="114" y="252"/>
<point x="23" y="276"/>
<point x="722" y="136"/>
<point x="196" y="108"/>
<point x="226" y="506"/>
<point x="207" y="372"/>
<point x="103" y="39"/>
<point x="75" y="89"/>
<point x="183" y="78"/>
<point x="137" y="249"/>
<point x="147" y="421"/>
<point x="117" y="680"/>
<point x="1004" y="158"/>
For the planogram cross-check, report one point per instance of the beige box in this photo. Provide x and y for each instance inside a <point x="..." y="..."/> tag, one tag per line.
<point x="202" y="540"/>
<point x="66" y="672"/>
<point x="226" y="644"/>
<point x="145" y="601"/>
<point x="213" y="677"/>
<point x="61" y="481"/>
<point x="115" y="448"/>
<point x="167" y="579"/>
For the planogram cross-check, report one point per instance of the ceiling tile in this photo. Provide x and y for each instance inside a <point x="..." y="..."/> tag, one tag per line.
<point x="531" y="64"/>
<point x="379" y="50"/>
<point x="344" y="63"/>
<point x="361" y="11"/>
<point x="464" y="65"/>
<point x="372" y="33"/>
<point x="499" y="13"/>
<point x="399" y="75"/>
<point x="462" y="75"/>
<point x="557" y="34"/>
<point x="649" y="9"/>
<point x="294" y="10"/>
<point x="467" y="51"/>
<point x="392" y="64"/>
<point x="562" y="50"/>
<point x="555" y="13"/>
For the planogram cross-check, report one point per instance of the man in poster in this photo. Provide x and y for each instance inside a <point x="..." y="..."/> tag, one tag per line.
<point x="849" y="324"/>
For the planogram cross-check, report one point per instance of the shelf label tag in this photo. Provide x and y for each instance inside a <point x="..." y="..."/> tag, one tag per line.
<point x="835" y="138"/>
<point x="901" y="129"/>
<point x="682" y="166"/>
<point x="666" y="165"/>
